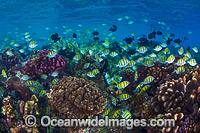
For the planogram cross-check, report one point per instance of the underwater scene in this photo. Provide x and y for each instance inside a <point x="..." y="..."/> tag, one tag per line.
<point x="132" y="61"/>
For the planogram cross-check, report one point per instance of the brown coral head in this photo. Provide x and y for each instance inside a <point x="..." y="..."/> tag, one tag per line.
<point x="76" y="98"/>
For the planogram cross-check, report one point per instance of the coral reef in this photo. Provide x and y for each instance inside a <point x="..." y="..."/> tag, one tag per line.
<point x="138" y="103"/>
<point x="68" y="53"/>
<point x="75" y="98"/>
<point x="180" y="99"/>
<point x="41" y="64"/>
<point x="7" y="61"/>
<point x="83" y="60"/>
<point x="14" y="119"/>
<point x="161" y="73"/>
<point x="165" y="72"/>
<point x="126" y="73"/>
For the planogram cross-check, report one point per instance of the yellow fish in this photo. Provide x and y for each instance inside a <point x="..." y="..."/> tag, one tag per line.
<point x="77" y="57"/>
<point x="29" y="82"/>
<point x="144" y="88"/>
<point x="188" y="54"/>
<point x="124" y="96"/>
<point x="4" y="73"/>
<point x="170" y="59"/>
<point x="166" y="51"/>
<point x="116" y="114"/>
<point x="126" y="114"/>
<point x="106" y="43"/>
<point x="131" y="63"/>
<point x="180" y="70"/>
<point x="113" y="54"/>
<point x="181" y="51"/>
<point x="149" y="63"/>
<point x="114" y="101"/>
<point x="106" y="112"/>
<point x="114" y="82"/>
<point x="180" y="62"/>
<point x="195" y="49"/>
<point x="148" y="80"/>
<point x="123" y="84"/>
<point x="142" y="49"/>
<point x="95" y="71"/>
<point x="139" y="86"/>
<point x="123" y="63"/>
<point x="192" y="62"/>
<point x="185" y="58"/>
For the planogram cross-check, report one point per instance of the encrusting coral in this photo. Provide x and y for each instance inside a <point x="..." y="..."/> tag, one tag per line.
<point x="75" y="98"/>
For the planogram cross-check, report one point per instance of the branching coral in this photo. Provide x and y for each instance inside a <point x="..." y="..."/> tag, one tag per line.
<point x="14" y="118"/>
<point x="161" y="73"/>
<point x="180" y="99"/>
<point x="75" y="98"/>
<point x="43" y="65"/>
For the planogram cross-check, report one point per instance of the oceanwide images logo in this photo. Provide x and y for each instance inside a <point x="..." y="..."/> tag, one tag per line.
<point x="46" y="121"/>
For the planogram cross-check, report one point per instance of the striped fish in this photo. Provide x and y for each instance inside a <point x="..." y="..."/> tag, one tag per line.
<point x="180" y="70"/>
<point x="126" y="114"/>
<point x="142" y="50"/>
<point x="192" y="62"/>
<point x="144" y="88"/>
<point x="148" y="80"/>
<point x="123" y="63"/>
<point x="51" y="54"/>
<point x="124" y="96"/>
<point x="162" y="59"/>
<point x="170" y="59"/>
<point x="149" y="63"/>
<point x="116" y="114"/>
<point x="123" y="84"/>
<point x="180" y="62"/>
<point x="181" y="51"/>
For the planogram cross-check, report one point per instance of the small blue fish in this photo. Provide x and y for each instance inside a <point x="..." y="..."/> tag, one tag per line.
<point x="55" y="74"/>
<point x="44" y="76"/>
<point x="9" y="53"/>
<point x="22" y="51"/>
<point x="86" y="65"/>
<point x="25" y="77"/>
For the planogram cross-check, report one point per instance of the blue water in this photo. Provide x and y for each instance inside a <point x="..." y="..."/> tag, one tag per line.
<point x="180" y="16"/>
